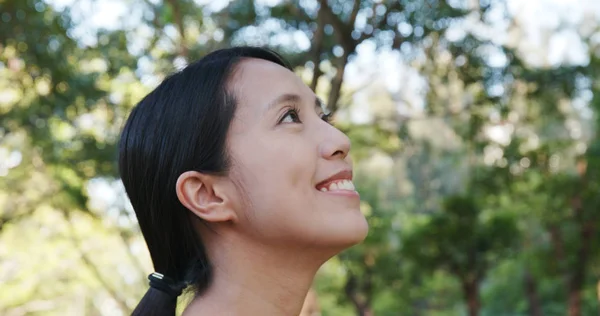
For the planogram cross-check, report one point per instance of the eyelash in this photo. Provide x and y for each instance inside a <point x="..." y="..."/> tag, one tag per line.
<point x="295" y="109"/>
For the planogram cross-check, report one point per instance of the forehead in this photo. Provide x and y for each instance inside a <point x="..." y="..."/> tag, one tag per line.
<point x="257" y="82"/>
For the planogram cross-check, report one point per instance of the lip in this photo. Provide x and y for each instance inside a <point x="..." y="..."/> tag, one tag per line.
<point x="345" y="174"/>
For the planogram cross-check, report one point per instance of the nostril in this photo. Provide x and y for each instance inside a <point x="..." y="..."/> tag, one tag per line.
<point x="331" y="150"/>
<point x="338" y="152"/>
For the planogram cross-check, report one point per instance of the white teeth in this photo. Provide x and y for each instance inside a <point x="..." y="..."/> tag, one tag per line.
<point x="343" y="185"/>
<point x="340" y="185"/>
<point x="351" y="186"/>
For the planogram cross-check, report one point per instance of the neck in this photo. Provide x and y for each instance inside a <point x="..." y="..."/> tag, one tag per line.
<point x="251" y="279"/>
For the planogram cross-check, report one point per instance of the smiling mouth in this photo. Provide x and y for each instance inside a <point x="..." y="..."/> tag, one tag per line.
<point x="337" y="186"/>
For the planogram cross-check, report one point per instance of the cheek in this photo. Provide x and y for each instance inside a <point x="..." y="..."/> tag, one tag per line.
<point x="277" y="176"/>
<point x="275" y="162"/>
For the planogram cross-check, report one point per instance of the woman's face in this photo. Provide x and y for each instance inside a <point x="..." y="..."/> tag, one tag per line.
<point x="291" y="167"/>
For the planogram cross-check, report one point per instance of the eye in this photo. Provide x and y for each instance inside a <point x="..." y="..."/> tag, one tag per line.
<point x="291" y="116"/>
<point x="326" y="118"/>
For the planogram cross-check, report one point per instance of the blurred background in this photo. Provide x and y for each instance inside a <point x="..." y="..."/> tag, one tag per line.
<point x="474" y="127"/>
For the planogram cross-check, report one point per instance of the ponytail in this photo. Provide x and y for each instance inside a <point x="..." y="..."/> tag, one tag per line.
<point x="161" y="297"/>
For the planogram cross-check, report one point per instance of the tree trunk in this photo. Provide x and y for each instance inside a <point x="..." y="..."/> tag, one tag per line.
<point x="579" y="270"/>
<point x="365" y="311"/>
<point x="575" y="287"/>
<point x="362" y="308"/>
<point x="336" y="84"/>
<point x="343" y="33"/>
<point x="533" y="300"/>
<point x="587" y="230"/>
<point x="471" y="293"/>
<point x="359" y="294"/>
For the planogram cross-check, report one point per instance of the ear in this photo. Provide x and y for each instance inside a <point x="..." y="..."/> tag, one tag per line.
<point x="205" y="196"/>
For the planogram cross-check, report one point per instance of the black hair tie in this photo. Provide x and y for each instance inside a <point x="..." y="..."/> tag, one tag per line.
<point x="165" y="284"/>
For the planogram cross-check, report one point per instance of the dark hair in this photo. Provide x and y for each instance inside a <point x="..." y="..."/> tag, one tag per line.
<point x="180" y="126"/>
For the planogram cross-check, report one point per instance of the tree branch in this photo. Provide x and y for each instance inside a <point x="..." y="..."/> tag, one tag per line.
<point x="132" y="258"/>
<point x="297" y="10"/>
<point x="395" y="6"/>
<point x="31" y="307"/>
<point x="183" y="50"/>
<point x="92" y="267"/>
<point x="342" y="31"/>
<point x="158" y="28"/>
<point x="316" y="49"/>
<point x="354" y="13"/>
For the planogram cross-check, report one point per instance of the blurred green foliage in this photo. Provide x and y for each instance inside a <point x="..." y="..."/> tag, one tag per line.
<point x="479" y="178"/>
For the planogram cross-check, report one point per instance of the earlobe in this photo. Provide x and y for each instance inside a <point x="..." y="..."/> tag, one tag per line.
<point x="200" y="193"/>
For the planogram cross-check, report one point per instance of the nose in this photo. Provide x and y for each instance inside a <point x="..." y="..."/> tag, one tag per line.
<point x="336" y="144"/>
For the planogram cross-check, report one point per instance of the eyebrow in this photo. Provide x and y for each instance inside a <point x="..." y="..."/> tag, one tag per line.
<point x="291" y="97"/>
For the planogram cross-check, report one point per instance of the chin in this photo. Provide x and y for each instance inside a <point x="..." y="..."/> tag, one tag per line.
<point x="359" y="233"/>
<point x="348" y="232"/>
<point x="330" y="240"/>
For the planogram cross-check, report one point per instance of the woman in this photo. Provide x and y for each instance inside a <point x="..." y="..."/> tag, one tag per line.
<point x="241" y="187"/>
